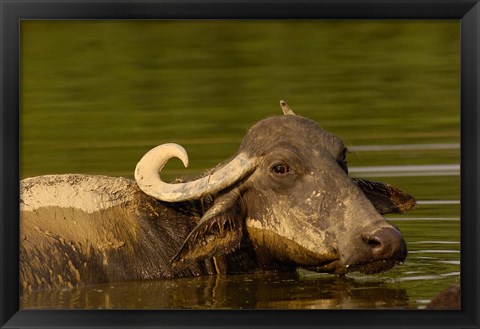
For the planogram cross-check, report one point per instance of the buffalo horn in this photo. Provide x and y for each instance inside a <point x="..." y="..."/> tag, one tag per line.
<point x="287" y="110"/>
<point x="147" y="175"/>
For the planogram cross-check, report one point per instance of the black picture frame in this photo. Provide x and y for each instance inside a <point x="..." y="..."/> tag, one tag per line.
<point x="466" y="11"/>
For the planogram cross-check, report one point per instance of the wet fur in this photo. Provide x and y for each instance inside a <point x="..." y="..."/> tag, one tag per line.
<point x="135" y="240"/>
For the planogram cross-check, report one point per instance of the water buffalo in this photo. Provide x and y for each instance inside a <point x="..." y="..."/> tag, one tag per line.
<point x="284" y="201"/>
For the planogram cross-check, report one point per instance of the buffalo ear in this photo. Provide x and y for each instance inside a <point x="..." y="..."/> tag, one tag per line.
<point x="386" y="198"/>
<point x="219" y="231"/>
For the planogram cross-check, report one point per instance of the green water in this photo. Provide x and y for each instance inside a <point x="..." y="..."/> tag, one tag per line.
<point x="96" y="95"/>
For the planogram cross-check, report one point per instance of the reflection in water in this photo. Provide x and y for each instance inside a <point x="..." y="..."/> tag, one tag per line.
<point x="259" y="291"/>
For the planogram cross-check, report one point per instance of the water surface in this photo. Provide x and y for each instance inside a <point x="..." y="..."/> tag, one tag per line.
<point x="96" y="95"/>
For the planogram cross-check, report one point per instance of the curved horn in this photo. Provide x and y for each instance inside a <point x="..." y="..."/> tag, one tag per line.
<point x="147" y="175"/>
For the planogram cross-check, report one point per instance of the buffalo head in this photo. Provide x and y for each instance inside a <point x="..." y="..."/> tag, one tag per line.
<point x="288" y="194"/>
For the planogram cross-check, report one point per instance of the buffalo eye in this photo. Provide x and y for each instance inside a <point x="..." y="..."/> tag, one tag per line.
<point x="280" y="169"/>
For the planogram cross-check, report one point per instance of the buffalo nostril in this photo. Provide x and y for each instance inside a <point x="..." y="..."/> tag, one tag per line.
<point x="372" y="242"/>
<point x="386" y="243"/>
